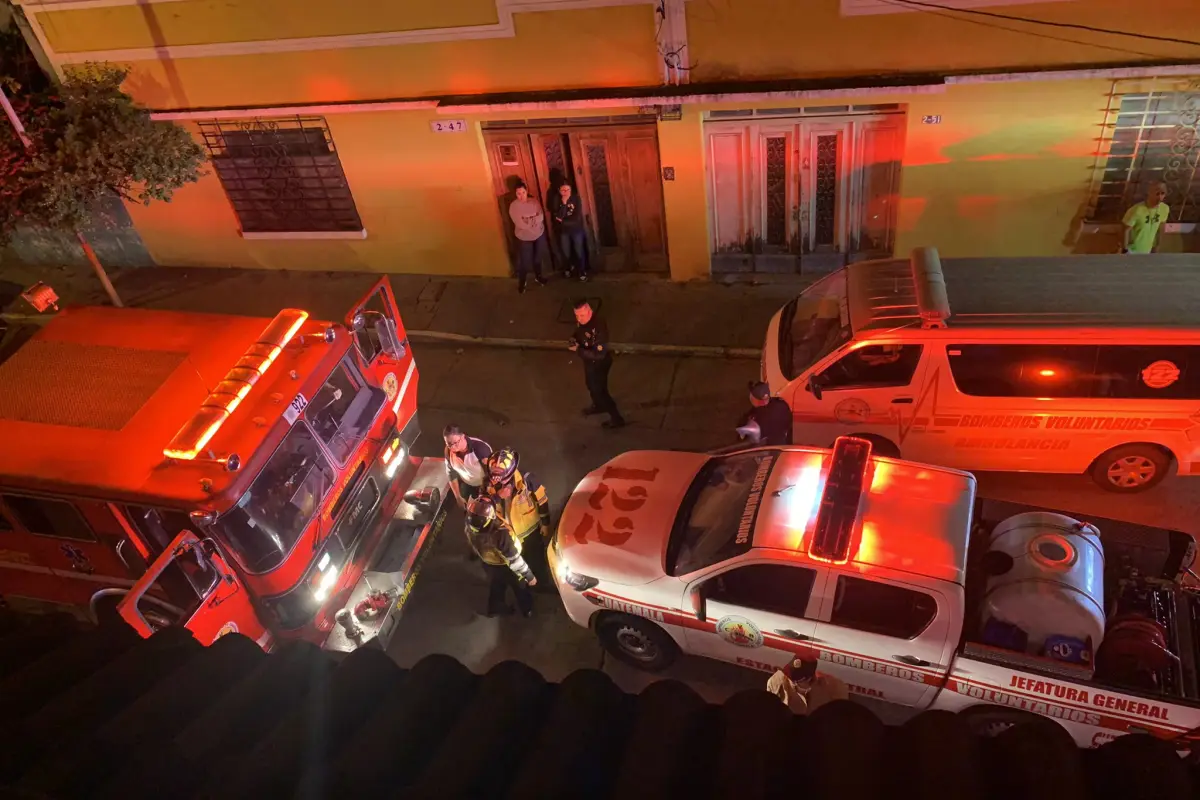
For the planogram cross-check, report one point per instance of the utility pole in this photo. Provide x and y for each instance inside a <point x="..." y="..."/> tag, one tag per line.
<point x="90" y="254"/>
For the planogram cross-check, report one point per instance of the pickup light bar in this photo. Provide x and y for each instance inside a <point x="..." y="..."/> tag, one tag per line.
<point x="838" y="511"/>
<point x="196" y="433"/>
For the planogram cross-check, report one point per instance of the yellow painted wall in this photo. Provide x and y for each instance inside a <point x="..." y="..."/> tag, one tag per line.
<point x="737" y="39"/>
<point x="207" y="21"/>
<point x="611" y="46"/>
<point x="681" y="145"/>
<point x="425" y="199"/>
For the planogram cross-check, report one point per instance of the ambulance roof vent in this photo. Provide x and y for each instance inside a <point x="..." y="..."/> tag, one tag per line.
<point x="838" y="511"/>
<point x="195" y="434"/>
<point x="929" y="286"/>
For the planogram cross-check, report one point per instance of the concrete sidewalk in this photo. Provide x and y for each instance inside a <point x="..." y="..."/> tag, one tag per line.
<point x="643" y="314"/>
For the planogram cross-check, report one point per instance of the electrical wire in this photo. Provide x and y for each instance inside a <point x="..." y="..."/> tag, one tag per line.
<point x="1048" y="23"/>
<point x="905" y="3"/>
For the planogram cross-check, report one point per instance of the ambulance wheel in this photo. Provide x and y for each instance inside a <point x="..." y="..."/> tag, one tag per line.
<point x="637" y="642"/>
<point x="1131" y="468"/>
<point x="991" y="721"/>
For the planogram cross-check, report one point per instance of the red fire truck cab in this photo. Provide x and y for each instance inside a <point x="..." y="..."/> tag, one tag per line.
<point x="220" y="472"/>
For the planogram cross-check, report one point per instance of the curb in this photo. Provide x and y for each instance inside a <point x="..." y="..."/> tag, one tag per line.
<point x="618" y="347"/>
<point x="630" y="348"/>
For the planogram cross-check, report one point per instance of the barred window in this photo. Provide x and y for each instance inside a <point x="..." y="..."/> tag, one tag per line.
<point x="1155" y="139"/>
<point x="282" y="175"/>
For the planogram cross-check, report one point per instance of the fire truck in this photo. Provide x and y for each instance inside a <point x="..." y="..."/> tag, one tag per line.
<point x="896" y="578"/>
<point x="225" y="473"/>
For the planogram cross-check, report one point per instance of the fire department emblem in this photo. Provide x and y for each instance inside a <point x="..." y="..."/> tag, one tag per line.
<point x="739" y="631"/>
<point x="391" y="385"/>
<point x="852" y="411"/>
<point x="1160" y="374"/>
<point x="227" y="628"/>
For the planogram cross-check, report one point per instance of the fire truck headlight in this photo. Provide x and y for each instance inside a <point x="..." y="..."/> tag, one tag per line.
<point x="394" y="465"/>
<point x="325" y="584"/>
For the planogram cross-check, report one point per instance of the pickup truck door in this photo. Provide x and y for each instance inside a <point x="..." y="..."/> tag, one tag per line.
<point x="886" y="638"/>
<point x="756" y="613"/>
<point x="201" y="591"/>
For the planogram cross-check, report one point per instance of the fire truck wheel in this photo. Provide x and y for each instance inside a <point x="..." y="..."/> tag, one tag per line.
<point x="991" y="721"/>
<point x="637" y="642"/>
<point x="1131" y="468"/>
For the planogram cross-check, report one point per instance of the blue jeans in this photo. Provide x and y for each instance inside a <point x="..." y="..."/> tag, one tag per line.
<point x="530" y="254"/>
<point x="574" y="249"/>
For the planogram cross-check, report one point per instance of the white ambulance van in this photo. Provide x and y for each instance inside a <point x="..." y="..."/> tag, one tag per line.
<point x="1080" y="364"/>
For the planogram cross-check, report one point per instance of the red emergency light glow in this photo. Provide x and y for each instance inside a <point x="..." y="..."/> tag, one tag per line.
<point x="1047" y="373"/>
<point x="838" y="511"/>
<point x="196" y="433"/>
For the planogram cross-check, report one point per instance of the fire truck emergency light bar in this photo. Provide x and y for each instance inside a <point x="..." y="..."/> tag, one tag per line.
<point x="237" y="383"/>
<point x="838" y="511"/>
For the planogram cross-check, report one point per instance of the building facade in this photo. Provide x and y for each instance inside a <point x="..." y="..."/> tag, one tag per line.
<point x="705" y="137"/>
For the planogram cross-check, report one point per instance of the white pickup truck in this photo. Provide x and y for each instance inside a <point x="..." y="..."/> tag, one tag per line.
<point x="895" y="577"/>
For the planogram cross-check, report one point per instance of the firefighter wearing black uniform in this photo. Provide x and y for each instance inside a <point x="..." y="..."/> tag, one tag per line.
<point x="500" y="551"/>
<point x="590" y="341"/>
<point x="521" y="501"/>
<point x="769" y="420"/>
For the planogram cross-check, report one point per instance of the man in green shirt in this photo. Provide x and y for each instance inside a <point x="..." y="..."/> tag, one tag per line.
<point x="1144" y="220"/>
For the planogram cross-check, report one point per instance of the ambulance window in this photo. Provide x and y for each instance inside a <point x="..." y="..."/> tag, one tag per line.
<point x="873" y="366"/>
<point x="1035" y="370"/>
<point x="45" y="517"/>
<point x="881" y="608"/>
<point x="777" y="588"/>
<point x="1159" y="372"/>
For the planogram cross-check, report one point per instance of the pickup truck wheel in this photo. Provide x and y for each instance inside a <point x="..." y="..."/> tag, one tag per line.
<point x="991" y="721"/>
<point x="637" y="642"/>
<point x="1131" y="468"/>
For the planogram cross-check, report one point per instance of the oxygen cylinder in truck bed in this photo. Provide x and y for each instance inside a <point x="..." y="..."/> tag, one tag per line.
<point x="1046" y="577"/>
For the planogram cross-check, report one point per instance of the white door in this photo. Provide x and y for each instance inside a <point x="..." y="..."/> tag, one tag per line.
<point x="871" y="388"/>
<point x="884" y="638"/>
<point x="757" y="614"/>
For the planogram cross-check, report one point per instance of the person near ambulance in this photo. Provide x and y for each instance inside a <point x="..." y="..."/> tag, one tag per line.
<point x="465" y="460"/>
<point x="499" y="550"/>
<point x="769" y="420"/>
<point x="803" y="690"/>
<point x="520" y="500"/>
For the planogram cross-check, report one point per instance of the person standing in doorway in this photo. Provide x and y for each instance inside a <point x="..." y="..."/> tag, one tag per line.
<point x="529" y="226"/>
<point x="572" y="237"/>
<point x="1143" y="221"/>
<point x="590" y="341"/>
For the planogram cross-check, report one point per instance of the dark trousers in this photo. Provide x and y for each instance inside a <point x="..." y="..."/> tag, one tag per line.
<point x="595" y="374"/>
<point x="573" y="244"/>
<point x="531" y="254"/>
<point x="500" y="580"/>
<point x="533" y="550"/>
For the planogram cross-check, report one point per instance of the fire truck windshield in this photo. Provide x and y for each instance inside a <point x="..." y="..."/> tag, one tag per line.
<point x="716" y="520"/>
<point x="268" y="520"/>
<point x="343" y="410"/>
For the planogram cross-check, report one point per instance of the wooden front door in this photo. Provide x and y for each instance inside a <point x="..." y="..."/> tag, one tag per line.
<point x="616" y="173"/>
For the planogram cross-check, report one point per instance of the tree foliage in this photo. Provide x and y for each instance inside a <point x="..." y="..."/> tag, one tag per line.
<point x="90" y="140"/>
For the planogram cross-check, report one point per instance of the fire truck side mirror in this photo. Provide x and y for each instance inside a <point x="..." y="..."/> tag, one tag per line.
<point x="696" y="598"/>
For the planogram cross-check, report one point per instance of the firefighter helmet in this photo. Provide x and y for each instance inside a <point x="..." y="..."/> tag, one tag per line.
<point x="481" y="511"/>
<point x="502" y="465"/>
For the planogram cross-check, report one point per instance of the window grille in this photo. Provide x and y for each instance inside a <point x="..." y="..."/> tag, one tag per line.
<point x="282" y="175"/>
<point x="1155" y="138"/>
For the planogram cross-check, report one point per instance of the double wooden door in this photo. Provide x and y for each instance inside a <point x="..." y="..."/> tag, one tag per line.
<point x="615" y="172"/>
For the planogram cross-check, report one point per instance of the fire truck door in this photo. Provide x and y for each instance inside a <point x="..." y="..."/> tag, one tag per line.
<point x="195" y="587"/>
<point x="383" y="346"/>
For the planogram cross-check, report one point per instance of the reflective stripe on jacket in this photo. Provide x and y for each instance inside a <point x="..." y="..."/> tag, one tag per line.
<point x="528" y="509"/>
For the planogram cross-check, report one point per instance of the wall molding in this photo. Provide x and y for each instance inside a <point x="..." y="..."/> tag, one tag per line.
<point x="858" y="8"/>
<point x="505" y="28"/>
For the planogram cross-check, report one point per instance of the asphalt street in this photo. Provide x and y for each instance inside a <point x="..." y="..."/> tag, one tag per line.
<point x="532" y="400"/>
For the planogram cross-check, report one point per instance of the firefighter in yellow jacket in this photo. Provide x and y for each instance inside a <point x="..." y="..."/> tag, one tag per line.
<point x="521" y="501"/>
<point x="500" y="551"/>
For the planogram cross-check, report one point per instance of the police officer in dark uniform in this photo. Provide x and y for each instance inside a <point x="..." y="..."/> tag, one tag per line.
<point x="769" y="420"/>
<point x="500" y="551"/>
<point x="590" y="341"/>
